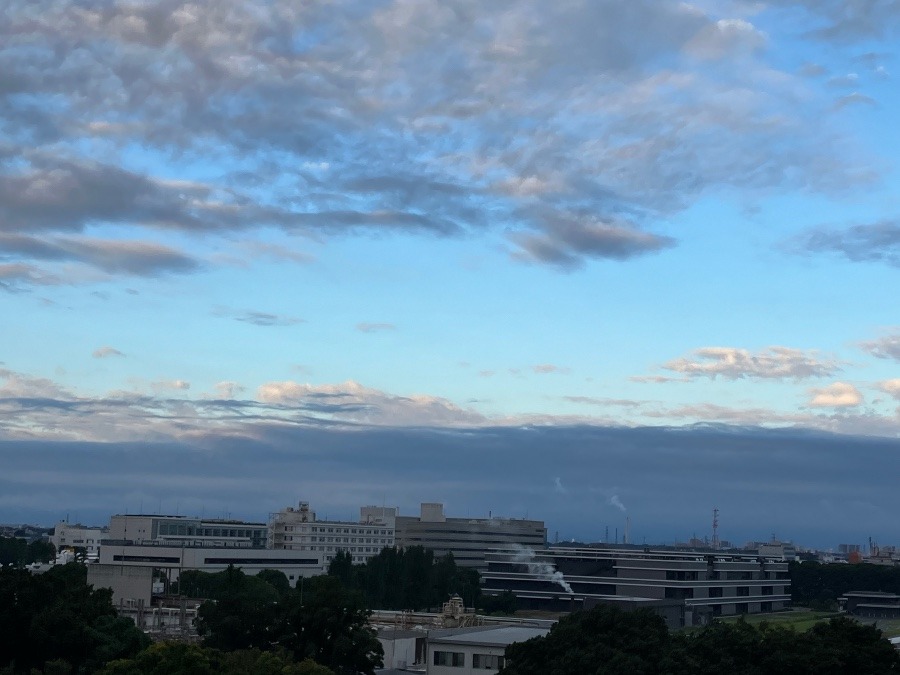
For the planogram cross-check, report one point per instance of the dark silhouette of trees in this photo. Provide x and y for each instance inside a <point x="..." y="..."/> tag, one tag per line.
<point x="167" y="658"/>
<point x="409" y="578"/>
<point x="56" y="619"/>
<point x="328" y="623"/>
<point x="14" y="551"/>
<point x="819" y="585"/>
<point x="614" y="642"/>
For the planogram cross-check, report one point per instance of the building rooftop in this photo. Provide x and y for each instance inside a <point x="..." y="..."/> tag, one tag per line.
<point x="487" y="636"/>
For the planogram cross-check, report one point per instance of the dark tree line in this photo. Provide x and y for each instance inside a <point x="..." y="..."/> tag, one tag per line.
<point x="56" y="622"/>
<point x="321" y="621"/>
<point x="17" y="552"/>
<point x="408" y="578"/>
<point x="609" y="641"/>
<point x="819" y="585"/>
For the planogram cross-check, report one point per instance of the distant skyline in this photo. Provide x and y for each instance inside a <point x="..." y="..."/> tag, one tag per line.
<point x="227" y="224"/>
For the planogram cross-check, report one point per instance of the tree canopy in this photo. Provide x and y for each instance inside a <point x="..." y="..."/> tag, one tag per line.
<point x="819" y="585"/>
<point x="407" y="578"/>
<point x="57" y="617"/>
<point x="609" y="641"/>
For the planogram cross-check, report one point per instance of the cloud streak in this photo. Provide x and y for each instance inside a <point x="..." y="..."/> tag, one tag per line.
<point x="777" y="363"/>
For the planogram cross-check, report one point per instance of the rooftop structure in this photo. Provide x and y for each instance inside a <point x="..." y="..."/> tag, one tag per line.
<point x="474" y="650"/>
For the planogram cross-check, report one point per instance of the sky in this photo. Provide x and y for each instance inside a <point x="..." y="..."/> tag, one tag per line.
<point x="579" y="260"/>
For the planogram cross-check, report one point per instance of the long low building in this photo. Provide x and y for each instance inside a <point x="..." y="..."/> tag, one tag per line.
<point x="706" y="584"/>
<point x="173" y="560"/>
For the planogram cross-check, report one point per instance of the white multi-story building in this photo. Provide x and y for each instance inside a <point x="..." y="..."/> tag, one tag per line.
<point x="297" y="529"/>
<point x="66" y="535"/>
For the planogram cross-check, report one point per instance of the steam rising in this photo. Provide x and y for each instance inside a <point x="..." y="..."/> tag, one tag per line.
<point x="615" y="501"/>
<point x="541" y="570"/>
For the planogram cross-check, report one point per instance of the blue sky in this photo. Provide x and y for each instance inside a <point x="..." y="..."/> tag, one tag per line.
<point x="216" y="217"/>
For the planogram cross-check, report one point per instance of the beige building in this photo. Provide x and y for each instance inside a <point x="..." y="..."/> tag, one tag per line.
<point x="66" y="535"/>
<point x="298" y="529"/>
<point x="468" y="539"/>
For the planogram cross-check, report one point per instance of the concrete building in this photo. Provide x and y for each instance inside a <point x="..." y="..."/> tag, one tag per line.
<point x="66" y="535"/>
<point x="467" y="538"/>
<point x="126" y="582"/>
<point x="172" y="560"/>
<point x="871" y="604"/>
<point x="475" y="650"/>
<point x="704" y="584"/>
<point x="177" y="530"/>
<point x="298" y="530"/>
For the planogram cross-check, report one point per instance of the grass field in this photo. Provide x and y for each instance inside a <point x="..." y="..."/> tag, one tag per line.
<point x="798" y="619"/>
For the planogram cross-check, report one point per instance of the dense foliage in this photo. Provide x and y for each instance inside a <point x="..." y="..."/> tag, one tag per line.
<point x="408" y="578"/>
<point x="57" y="622"/>
<point x="819" y="585"/>
<point x="167" y="658"/>
<point x="16" y="552"/>
<point x="609" y="641"/>
<point x="321" y="620"/>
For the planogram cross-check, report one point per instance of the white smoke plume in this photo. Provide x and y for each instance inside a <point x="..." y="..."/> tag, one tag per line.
<point x="542" y="570"/>
<point x="615" y="501"/>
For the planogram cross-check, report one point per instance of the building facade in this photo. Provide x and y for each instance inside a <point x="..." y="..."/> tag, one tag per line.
<point x="297" y="529"/>
<point x="476" y="650"/>
<point x="706" y="584"/>
<point x="468" y="539"/>
<point x="66" y="535"/>
<point x="177" y="530"/>
<point x="172" y="560"/>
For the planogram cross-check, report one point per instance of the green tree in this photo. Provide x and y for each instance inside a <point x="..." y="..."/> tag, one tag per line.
<point x="330" y="626"/>
<point x="57" y="617"/>
<point x="603" y="640"/>
<point x="242" y="614"/>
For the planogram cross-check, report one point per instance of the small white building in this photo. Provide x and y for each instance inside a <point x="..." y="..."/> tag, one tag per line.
<point x="299" y="530"/>
<point x="474" y="651"/>
<point x="66" y="535"/>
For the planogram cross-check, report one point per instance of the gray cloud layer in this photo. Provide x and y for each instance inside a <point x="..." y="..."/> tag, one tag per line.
<point x="811" y="487"/>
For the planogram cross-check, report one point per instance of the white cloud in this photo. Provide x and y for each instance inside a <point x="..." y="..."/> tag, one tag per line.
<point x="835" y="395"/>
<point x="228" y="389"/>
<point x="770" y="363"/>
<point x="178" y="385"/>
<point x="891" y="387"/>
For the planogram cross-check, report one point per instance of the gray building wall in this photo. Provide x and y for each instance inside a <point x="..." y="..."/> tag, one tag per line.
<point x="127" y="583"/>
<point x="467" y="538"/>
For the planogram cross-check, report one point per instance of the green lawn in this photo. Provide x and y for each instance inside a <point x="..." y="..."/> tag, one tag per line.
<point x="798" y="619"/>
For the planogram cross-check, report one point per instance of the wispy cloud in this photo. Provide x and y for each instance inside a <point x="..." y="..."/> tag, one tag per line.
<point x="375" y="327"/>
<point x="886" y="347"/>
<point x="771" y="363"/>
<point x="258" y="318"/>
<point x="106" y="352"/>
<point x="550" y="369"/>
<point x="873" y="242"/>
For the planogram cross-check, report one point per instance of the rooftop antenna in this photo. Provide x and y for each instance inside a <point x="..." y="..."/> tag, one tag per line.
<point x="715" y="537"/>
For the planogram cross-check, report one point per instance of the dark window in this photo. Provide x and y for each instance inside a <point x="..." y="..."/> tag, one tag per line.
<point x="452" y="659"/>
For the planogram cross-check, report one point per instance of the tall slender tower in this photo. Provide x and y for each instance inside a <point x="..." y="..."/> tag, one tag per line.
<point x="715" y="537"/>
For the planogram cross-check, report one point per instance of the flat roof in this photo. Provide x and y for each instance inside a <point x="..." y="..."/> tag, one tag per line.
<point x="490" y="636"/>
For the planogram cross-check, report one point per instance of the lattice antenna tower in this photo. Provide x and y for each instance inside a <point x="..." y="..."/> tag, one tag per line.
<point x="715" y="537"/>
